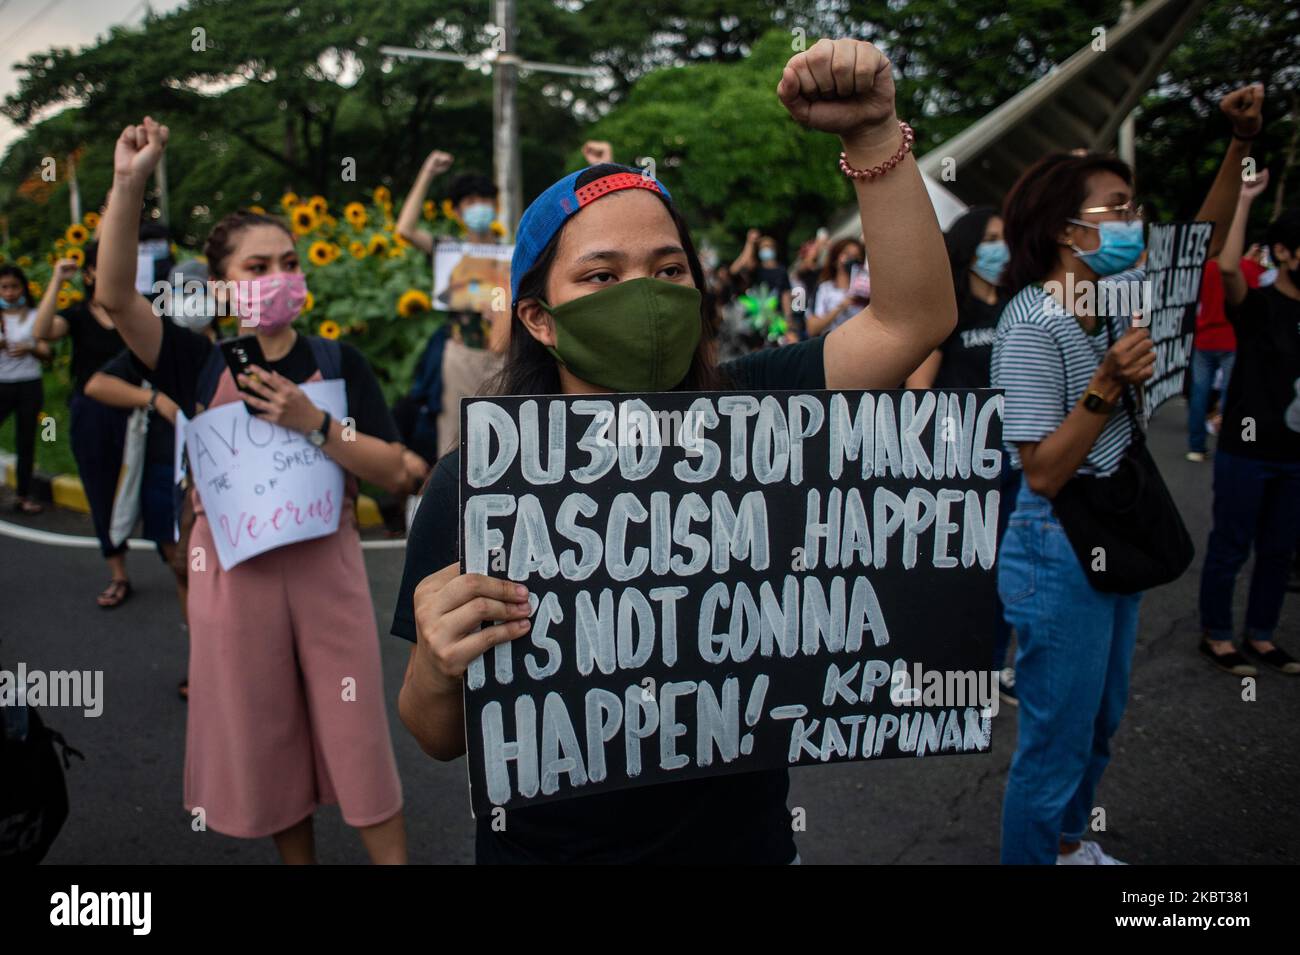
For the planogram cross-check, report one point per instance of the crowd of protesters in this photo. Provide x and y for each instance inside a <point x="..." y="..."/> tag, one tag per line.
<point x="889" y="302"/>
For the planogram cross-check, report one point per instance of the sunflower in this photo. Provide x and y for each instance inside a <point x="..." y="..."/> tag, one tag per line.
<point x="355" y="213"/>
<point x="448" y="209"/>
<point x="288" y="201"/>
<point x="77" y="234"/>
<point x="329" y="220"/>
<point x="412" y="302"/>
<point x="24" y="261"/>
<point x="76" y="295"/>
<point x="329" y="329"/>
<point x="91" y="219"/>
<point x="319" y="205"/>
<point x="320" y="253"/>
<point x="378" y="244"/>
<point x="382" y="196"/>
<point x="34" y="289"/>
<point x="258" y="209"/>
<point x="396" y="252"/>
<point x="304" y="220"/>
<point x="78" y="256"/>
<point x="309" y="302"/>
<point x="60" y="244"/>
<point x="62" y="300"/>
<point x="497" y="228"/>
<point x="358" y="249"/>
<point x="430" y="210"/>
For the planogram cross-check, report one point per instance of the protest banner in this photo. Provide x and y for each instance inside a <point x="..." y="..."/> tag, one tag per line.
<point x="1176" y="254"/>
<point x="471" y="277"/>
<point x="263" y="486"/>
<point x="729" y="582"/>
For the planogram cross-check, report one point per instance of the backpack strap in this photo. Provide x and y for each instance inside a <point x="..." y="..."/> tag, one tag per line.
<point x="209" y="377"/>
<point x="328" y="355"/>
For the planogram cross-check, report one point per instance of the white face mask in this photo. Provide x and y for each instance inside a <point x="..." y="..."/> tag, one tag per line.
<point x="193" y="314"/>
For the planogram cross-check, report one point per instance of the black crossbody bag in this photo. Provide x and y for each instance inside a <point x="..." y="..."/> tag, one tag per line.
<point x="1125" y="528"/>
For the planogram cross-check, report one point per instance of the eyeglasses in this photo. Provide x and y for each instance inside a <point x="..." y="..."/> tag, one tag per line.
<point x="1127" y="212"/>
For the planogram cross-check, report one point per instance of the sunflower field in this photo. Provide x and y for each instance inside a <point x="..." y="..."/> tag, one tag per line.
<point x="366" y="285"/>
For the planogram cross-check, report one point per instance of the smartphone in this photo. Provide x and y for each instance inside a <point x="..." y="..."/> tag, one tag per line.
<point x="859" y="284"/>
<point x="240" y="353"/>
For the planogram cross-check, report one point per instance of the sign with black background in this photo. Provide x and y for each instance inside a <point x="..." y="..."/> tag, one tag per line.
<point x="726" y="582"/>
<point x="1176" y="254"/>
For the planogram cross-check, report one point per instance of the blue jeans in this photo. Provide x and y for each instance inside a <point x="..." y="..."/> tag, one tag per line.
<point x="1074" y="656"/>
<point x="1204" y="365"/>
<point x="1255" y="502"/>
<point x="1007" y="503"/>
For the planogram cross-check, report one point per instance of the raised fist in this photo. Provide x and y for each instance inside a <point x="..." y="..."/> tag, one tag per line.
<point x="839" y="86"/>
<point x="597" y="151"/>
<point x="1244" y="108"/>
<point x="139" y="149"/>
<point x="438" y="162"/>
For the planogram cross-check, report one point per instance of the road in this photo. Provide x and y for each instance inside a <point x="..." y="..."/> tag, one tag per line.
<point x="1198" y="774"/>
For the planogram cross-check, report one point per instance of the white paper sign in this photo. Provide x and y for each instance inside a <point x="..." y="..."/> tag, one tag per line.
<point x="263" y="486"/>
<point x="468" y="275"/>
<point x="149" y="252"/>
<point x="178" y="469"/>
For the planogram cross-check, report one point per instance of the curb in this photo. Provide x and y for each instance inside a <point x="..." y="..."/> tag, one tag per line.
<point x="65" y="491"/>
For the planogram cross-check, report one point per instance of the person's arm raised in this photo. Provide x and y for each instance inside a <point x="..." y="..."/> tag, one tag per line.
<point x="435" y="164"/>
<point x="1244" y="108"/>
<point x="1234" y="284"/>
<point x="49" y="326"/>
<point x="846" y="87"/>
<point x="135" y="157"/>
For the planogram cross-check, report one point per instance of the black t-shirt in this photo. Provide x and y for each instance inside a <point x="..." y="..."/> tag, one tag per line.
<point x="183" y="354"/>
<point x="775" y="278"/>
<point x="1265" y="381"/>
<point x="734" y="819"/>
<point x="968" y="352"/>
<point x="160" y="442"/>
<point x="93" y="345"/>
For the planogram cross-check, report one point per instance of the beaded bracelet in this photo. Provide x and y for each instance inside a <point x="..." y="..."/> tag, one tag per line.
<point x="909" y="137"/>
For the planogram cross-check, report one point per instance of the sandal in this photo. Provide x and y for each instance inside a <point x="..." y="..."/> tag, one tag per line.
<point x="1277" y="658"/>
<point x="1230" y="662"/>
<point x="114" y="595"/>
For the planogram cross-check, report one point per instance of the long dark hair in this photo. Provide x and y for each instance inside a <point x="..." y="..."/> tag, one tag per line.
<point x="833" y="256"/>
<point x="532" y="370"/>
<point x="961" y="240"/>
<point x="12" y="270"/>
<point x="1038" y="206"/>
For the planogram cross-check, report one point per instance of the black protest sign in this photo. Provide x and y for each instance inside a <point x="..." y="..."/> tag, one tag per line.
<point x="729" y="582"/>
<point x="1176" y="253"/>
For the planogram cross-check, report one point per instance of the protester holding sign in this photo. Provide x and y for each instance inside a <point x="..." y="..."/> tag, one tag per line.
<point x="1257" y="466"/>
<point x="472" y="353"/>
<point x="286" y="692"/>
<point x="607" y="298"/>
<point x="834" y="304"/>
<point x="1070" y="425"/>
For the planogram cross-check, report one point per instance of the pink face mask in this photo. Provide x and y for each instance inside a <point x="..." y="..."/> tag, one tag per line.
<point x="271" y="302"/>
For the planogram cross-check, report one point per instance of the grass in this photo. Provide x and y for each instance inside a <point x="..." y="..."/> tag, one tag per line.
<point x="52" y="457"/>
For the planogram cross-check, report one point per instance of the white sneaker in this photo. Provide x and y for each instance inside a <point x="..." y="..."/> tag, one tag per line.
<point x="1088" y="853"/>
<point x="1196" y="457"/>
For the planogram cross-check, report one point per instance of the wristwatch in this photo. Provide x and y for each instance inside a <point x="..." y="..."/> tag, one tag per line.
<point x="1096" y="402"/>
<point x="319" y="436"/>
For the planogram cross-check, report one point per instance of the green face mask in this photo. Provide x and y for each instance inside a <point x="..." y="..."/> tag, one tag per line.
<point x="638" y="335"/>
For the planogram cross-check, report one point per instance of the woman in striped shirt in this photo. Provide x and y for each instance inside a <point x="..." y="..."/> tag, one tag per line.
<point x="1075" y="235"/>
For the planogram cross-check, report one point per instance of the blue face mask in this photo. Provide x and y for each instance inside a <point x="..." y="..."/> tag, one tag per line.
<point x="991" y="260"/>
<point x="10" y="302"/>
<point x="478" y="217"/>
<point x="1122" y="244"/>
<point x="767" y="255"/>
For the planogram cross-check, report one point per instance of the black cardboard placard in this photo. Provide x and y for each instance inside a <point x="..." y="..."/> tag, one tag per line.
<point x="728" y="582"/>
<point x="1176" y="254"/>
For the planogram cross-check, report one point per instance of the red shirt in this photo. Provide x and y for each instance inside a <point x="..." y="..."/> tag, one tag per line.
<point x="1213" y="333"/>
